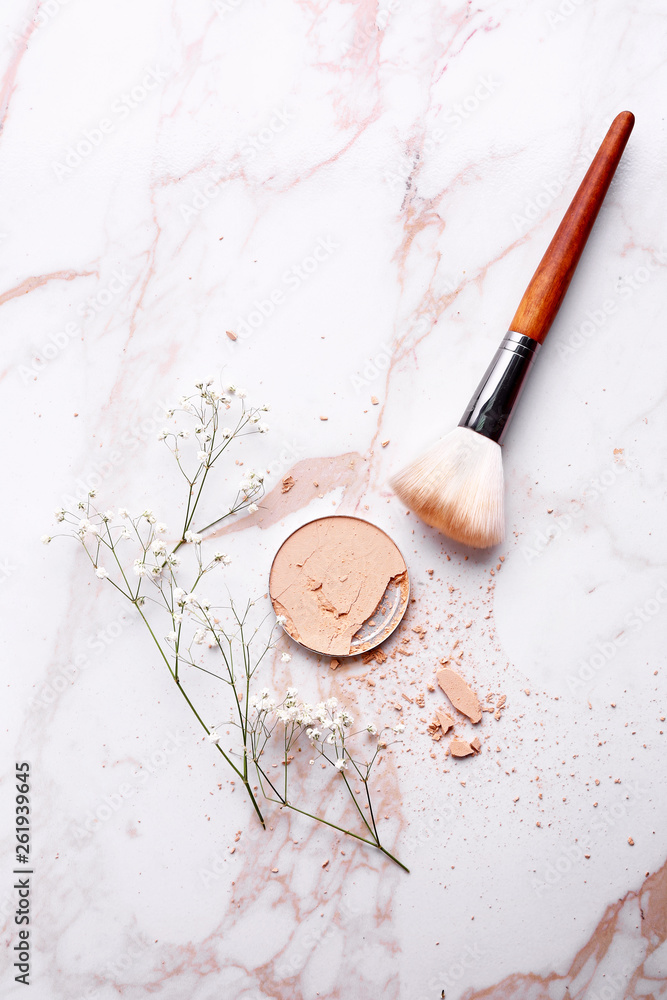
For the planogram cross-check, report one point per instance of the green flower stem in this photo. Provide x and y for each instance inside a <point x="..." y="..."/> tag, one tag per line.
<point x="278" y="800"/>
<point x="348" y="833"/>
<point x="241" y="775"/>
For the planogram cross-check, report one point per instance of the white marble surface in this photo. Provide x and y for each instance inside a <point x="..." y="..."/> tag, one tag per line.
<point x="430" y="159"/>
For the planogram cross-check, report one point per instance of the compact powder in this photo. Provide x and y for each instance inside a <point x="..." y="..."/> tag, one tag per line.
<point x="341" y="585"/>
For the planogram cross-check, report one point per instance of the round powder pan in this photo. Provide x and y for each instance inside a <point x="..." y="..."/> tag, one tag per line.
<point x="339" y="585"/>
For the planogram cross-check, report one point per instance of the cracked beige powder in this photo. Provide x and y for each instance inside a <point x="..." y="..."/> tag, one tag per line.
<point x="329" y="577"/>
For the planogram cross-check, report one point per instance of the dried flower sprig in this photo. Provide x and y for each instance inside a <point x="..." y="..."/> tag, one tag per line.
<point x="130" y="553"/>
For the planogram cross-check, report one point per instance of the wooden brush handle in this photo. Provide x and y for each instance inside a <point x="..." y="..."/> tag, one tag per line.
<point x="547" y="288"/>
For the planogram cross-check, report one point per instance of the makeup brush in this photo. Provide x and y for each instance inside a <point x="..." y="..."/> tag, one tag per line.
<point x="457" y="486"/>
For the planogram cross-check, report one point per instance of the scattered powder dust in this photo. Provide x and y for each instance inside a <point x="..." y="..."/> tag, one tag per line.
<point x="329" y="577"/>
<point x="288" y="483"/>
<point x="460" y="695"/>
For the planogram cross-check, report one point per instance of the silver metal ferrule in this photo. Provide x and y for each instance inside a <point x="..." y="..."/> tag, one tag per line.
<point x="493" y="402"/>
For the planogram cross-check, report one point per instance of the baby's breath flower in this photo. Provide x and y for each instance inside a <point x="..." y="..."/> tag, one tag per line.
<point x="173" y="560"/>
<point x="281" y="619"/>
<point x="101" y="573"/>
<point x="192" y="536"/>
<point x="160" y="528"/>
<point x="263" y="428"/>
<point x="149" y="515"/>
<point x="202" y="456"/>
<point x="265" y="408"/>
<point x="92" y="493"/>
<point x="254" y="418"/>
<point x="252" y="508"/>
<point x="200" y="636"/>
<point x="163" y="434"/>
<point x="169" y="414"/>
<point x="285" y="658"/>
<point x="140" y="567"/>
<point x="60" y="514"/>
<point x="372" y="729"/>
<point x="179" y="595"/>
<point x="171" y="636"/>
<point x="241" y="393"/>
<point x="226" y="432"/>
<point x="107" y="516"/>
<point x="231" y="388"/>
<point x="214" y="737"/>
<point x="341" y="764"/>
<point x="45" y="539"/>
<point x="123" y="512"/>
<point x="400" y="728"/>
<point x="184" y="433"/>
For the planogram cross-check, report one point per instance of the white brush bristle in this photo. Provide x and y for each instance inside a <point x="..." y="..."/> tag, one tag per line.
<point x="457" y="487"/>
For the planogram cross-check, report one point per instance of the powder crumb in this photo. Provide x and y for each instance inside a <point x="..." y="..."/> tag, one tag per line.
<point x="324" y="418"/>
<point x="434" y="731"/>
<point x="275" y="871"/>
<point x="385" y="443"/>
<point x="325" y="863"/>
<point x="430" y="687"/>
<point x="445" y="720"/>
<point x="631" y="842"/>
<point x="476" y="745"/>
<point x="460" y="695"/>
<point x="288" y="483"/>
<point x="460" y="748"/>
<point x="232" y="336"/>
<point x="419" y="700"/>
<point x="334" y="664"/>
<point x="374" y="400"/>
